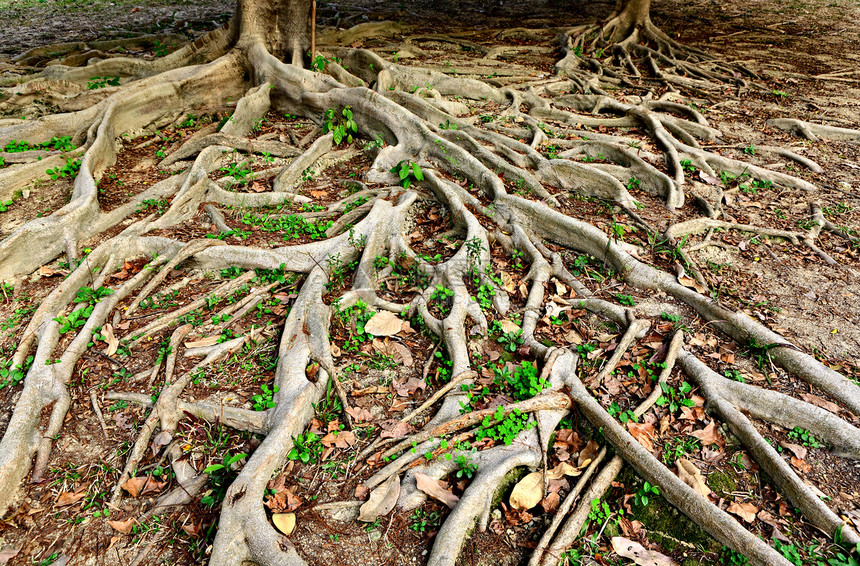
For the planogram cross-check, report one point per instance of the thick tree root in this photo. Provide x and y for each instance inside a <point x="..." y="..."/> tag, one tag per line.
<point x="499" y="189"/>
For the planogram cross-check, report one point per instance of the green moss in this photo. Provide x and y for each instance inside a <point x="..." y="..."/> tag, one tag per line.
<point x="722" y="483"/>
<point x="665" y="524"/>
<point x="507" y="485"/>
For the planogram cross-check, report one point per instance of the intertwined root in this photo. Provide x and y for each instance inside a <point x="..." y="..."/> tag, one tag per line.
<point x="475" y="172"/>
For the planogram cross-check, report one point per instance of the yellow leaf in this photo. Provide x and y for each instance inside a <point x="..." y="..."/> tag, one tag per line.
<point x="285" y="522"/>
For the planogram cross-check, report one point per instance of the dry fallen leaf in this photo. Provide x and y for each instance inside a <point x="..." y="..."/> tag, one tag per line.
<point x="122" y="526"/>
<point x="797" y="449"/>
<point x="587" y="454"/>
<point x="381" y="501"/>
<point x="627" y="548"/>
<point x="68" y="498"/>
<point x="528" y="492"/>
<point x="691" y="476"/>
<point x="383" y="323"/>
<point x="342" y="439"/>
<point x="432" y="488"/>
<point x="508" y="326"/>
<point x="564" y="469"/>
<point x="285" y="522"/>
<point x="142" y="485"/>
<point x="745" y="511"/>
<point x="507" y="282"/>
<point x="643" y="433"/>
<point x="8" y="553"/>
<point x="110" y="340"/>
<point x="359" y="414"/>
<point x="691" y="283"/>
<point x="709" y="435"/>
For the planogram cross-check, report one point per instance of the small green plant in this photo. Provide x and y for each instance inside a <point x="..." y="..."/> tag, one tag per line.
<point x="341" y="126"/>
<point x="673" y="398"/>
<point x="750" y="149"/>
<point x="92" y="296"/>
<point x="730" y="557"/>
<point x="803" y="436"/>
<point x="102" y="82"/>
<point x="318" y="63"/>
<point x="600" y="513"/>
<point x="678" y="448"/>
<point x="525" y="382"/>
<point x="687" y="166"/>
<point x="423" y="521"/>
<point x="510" y="340"/>
<point x="448" y="125"/>
<point x="158" y="206"/>
<point x="70" y="169"/>
<point x="307" y="447"/>
<point x="441" y="297"/>
<point x="241" y="172"/>
<point x="507" y="428"/>
<point x="670" y="317"/>
<point x="160" y="49"/>
<point x="644" y="492"/>
<point x="466" y="468"/>
<point x="408" y="172"/>
<point x="265" y="399"/>
<point x="626" y="300"/>
<point x="220" y="477"/>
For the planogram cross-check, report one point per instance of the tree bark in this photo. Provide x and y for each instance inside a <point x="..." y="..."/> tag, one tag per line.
<point x="282" y="25"/>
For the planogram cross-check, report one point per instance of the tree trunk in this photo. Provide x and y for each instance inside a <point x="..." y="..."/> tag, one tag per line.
<point x="282" y="25"/>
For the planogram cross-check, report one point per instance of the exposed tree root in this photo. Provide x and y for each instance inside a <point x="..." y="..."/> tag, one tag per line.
<point x="496" y="185"/>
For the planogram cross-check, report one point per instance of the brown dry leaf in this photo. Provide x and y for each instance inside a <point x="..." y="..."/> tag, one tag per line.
<point x="551" y="502"/>
<point x="528" y="492"/>
<point x="627" y="548"/>
<point x="564" y="469"/>
<point x="46" y="271"/>
<point x="110" y="339"/>
<point x="432" y="488"/>
<point x="395" y="429"/>
<point x="819" y="402"/>
<point x="122" y="526"/>
<point x="691" y="476"/>
<point x="801" y="465"/>
<point x="359" y="414"/>
<point x="69" y="498"/>
<point x="257" y="187"/>
<point x="142" y="485"/>
<point x="383" y="323"/>
<point x="643" y="433"/>
<point x="709" y="435"/>
<point x="285" y="522"/>
<point x="342" y="439"/>
<point x="587" y="454"/>
<point x="318" y="194"/>
<point x="508" y="282"/>
<point x="8" y="553"/>
<point x="797" y="449"/>
<point x="163" y="438"/>
<point x="745" y="511"/>
<point x="691" y="283"/>
<point x="508" y="326"/>
<point x="193" y="529"/>
<point x="381" y="501"/>
<point x="208" y="341"/>
<point x="406" y="328"/>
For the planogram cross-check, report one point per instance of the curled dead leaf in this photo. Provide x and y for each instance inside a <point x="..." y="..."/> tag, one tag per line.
<point x="381" y="501"/>
<point x="123" y="527"/>
<point x="432" y="488"/>
<point x="691" y="476"/>
<point x="746" y="511"/>
<point x="528" y="492"/>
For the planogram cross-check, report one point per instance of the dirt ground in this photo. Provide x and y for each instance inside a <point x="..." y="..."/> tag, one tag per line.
<point x="806" y="54"/>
